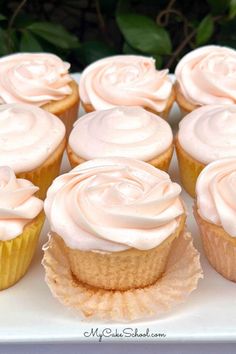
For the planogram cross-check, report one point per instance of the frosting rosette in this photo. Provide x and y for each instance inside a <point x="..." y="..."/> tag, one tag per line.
<point x="216" y="194"/>
<point x="207" y="75"/>
<point x="34" y="78"/>
<point x="28" y="136"/>
<point x="113" y="204"/>
<point x="209" y="133"/>
<point x="121" y="131"/>
<point x="18" y="206"/>
<point x="128" y="80"/>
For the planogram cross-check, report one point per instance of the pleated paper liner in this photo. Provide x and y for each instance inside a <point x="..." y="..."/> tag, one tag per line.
<point x="43" y="175"/>
<point x="164" y="114"/>
<point x="219" y="247"/>
<point x="181" y="277"/>
<point x="162" y="162"/>
<point x="16" y="254"/>
<point x="67" y="108"/>
<point x="189" y="169"/>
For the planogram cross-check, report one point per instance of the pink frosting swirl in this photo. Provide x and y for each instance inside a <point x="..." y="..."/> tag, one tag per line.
<point x="121" y="131"/>
<point x="216" y="194"/>
<point x="128" y="80"/>
<point x="209" y="133"/>
<point x="33" y="78"/>
<point x="207" y="75"/>
<point x="18" y="206"/>
<point x="28" y="136"/>
<point x="113" y="204"/>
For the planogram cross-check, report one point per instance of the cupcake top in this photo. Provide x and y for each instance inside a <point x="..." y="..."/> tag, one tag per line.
<point x="121" y="131"/>
<point x="113" y="204"/>
<point x="28" y="136"/>
<point x="128" y="80"/>
<point x="34" y="78"/>
<point x="207" y="75"/>
<point x="209" y="133"/>
<point x="216" y="194"/>
<point x="18" y="206"/>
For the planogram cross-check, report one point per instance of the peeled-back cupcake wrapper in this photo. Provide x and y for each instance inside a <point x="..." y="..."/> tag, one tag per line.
<point x="16" y="254"/>
<point x="220" y="252"/>
<point x="181" y="277"/>
<point x="46" y="173"/>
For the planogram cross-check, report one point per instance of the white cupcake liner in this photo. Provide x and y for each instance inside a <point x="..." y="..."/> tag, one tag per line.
<point x="181" y="277"/>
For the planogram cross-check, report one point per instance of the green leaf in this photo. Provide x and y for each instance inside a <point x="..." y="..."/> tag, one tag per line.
<point x="232" y="9"/>
<point x="54" y="34"/>
<point x="2" y="17"/>
<point x="28" y="43"/>
<point x="143" y="34"/>
<point x="218" y="6"/>
<point x="205" y="30"/>
<point x="3" y="45"/>
<point x="91" y="51"/>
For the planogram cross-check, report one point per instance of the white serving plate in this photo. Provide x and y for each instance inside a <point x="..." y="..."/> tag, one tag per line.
<point x="29" y="313"/>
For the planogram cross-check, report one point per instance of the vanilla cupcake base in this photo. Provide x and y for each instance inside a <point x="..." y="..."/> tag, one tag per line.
<point x="219" y="247"/>
<point x="122" y="270"/>
<point x="164" y="114"/>
<point x="189" y="169"/>
<point x="16" y="254"/>
<point x="43" y="175"/>
<point x="162" y="162"/>
<point x="67" y="108"/>
<point x="180" y="278"/>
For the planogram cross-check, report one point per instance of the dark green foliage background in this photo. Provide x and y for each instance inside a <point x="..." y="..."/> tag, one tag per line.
<point x="82" y="31"/>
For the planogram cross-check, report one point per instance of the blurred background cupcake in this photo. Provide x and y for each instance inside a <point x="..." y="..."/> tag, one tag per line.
<point x="32" y="142"/>
<point x="40" y="79"/>
<point x="21" y="220"/>
<point x="117" y="219"/>
<point x="204" y="76"/>
<point x="127" y="80"/>
<point x="215" y="213"/>
<point x="205" y="135"/>
<point x="121" y="131"/>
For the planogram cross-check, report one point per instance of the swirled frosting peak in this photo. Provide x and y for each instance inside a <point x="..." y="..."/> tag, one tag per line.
<point x="209" y="133"/>
<point x="18" y="206"/>
<point x="113" y="204"/>
<point x="28" y="136"/>
<point x="121" y="131"/>
<point x="216" y="194"/>
<point x="128" y="80"/>
<point x="34" y="78"/>
<point x="207" y="75"/>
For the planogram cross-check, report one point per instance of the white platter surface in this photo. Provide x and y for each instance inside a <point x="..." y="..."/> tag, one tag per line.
<point x="29" y="313"/>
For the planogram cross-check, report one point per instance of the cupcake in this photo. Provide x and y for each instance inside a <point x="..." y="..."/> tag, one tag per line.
<point x="205" y="135"/>
<point x="117" y="219"/>
<point x="121" y="131"/>
<point x="32" y="142"/>
<point x="21" y="220"/>
<point x="127" y="80"/>
<point x="40" y="79"/>
<point x="206" y="76"/>
<point x="215" y="213"/>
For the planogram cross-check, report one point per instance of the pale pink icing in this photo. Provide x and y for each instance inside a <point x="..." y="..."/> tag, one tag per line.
<point x="18" y="206"/>
<point x="28" y="136"/>
<point x="121" y="131"/>
<point x="35" y="78"/>
<point x="207" y="75"/>
<point x="113" y="204"/>
<point x="209" y="133"/>
<point x="128" y="80"/>
<point x="216" y="194"/>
